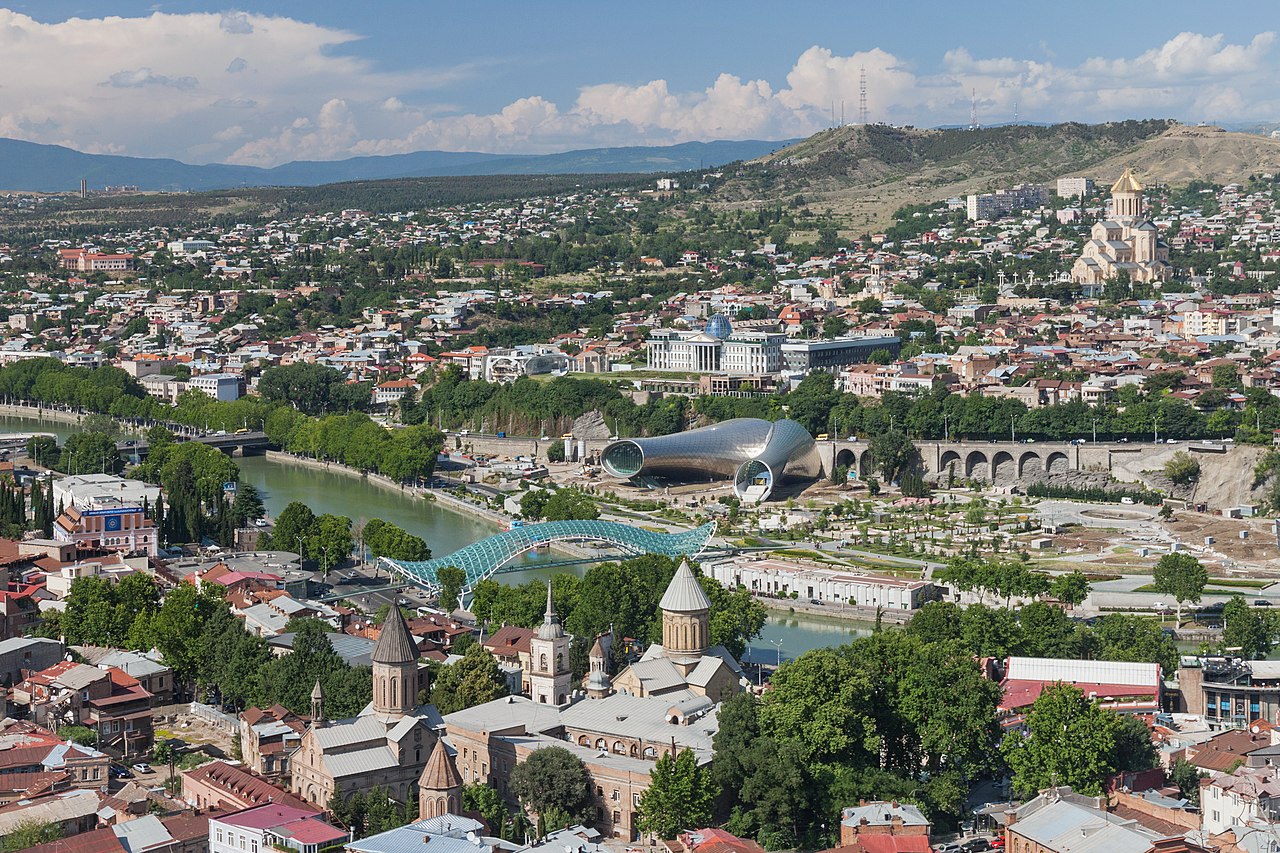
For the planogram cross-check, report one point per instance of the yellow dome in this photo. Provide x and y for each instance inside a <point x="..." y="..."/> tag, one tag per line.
<point x="1127" y="184"/>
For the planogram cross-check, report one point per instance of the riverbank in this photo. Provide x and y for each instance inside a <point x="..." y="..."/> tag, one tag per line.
<point x="444" y="498"/>
<point x="18" y="410"/>
<point x="835" y="611"/>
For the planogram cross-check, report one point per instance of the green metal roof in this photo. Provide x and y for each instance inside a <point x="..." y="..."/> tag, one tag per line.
<point x="480" y="560"/>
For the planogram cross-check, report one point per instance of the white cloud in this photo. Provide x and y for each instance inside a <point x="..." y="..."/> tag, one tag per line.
<point x="251" y="88"/>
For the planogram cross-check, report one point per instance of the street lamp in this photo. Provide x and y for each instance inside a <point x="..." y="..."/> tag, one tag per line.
<point x="778" y="645"/>
<point x="302" y="556"/>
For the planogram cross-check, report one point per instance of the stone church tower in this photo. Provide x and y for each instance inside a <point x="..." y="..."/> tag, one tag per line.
<point x="439" y="786"/>
<point x="549" y="659"/>
<point x="1126" y="199"/>
<point x="395" y="670"/>
<point x="686" y="620"/>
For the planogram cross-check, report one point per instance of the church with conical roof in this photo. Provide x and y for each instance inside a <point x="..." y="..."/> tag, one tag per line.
<point x="685" y="660"/>
<point x="1125" y="243"/>
<point x="387" y="745"/>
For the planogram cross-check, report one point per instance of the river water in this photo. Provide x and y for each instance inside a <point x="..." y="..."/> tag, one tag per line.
<point x="445" y="531"/>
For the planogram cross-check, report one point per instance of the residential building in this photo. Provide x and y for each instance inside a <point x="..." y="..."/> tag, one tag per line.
<point x="30" y="750"/>
<point x="449" y="833"/>
<point x="20" y="656"/>
<point x="1243" y="796"/>
<point x="1075" y="187"/>
<point x="85" y="260"/>
<point x="1231" y="692"/>
<point x="1061" y="821"/>
<point x="109" y="701"/>
<point x="884" y="827"/>
<point x="219" y="785"/>
<point x="181" y="833"/>
<point x="154" y="676"/>
<point x="1002" y="202"/>
<point x="268" y="739"/>
<point x="272" y="827"/>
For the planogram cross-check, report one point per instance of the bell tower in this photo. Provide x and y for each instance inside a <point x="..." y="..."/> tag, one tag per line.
<point x="439" y="786"/>
<point x="686" y="620"/>
<point x="549" y="659"/>
<point x="1126" y="198"/>
<point x="395" y="669"/>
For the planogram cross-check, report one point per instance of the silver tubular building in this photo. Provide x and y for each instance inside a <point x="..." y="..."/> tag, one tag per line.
<point x="757" y="455"/>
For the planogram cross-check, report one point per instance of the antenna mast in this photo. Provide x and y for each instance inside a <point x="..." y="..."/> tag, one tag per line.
<point x="973" y="109"/>
<point x="1015" y="112"/>
<point x="862" y="96"/>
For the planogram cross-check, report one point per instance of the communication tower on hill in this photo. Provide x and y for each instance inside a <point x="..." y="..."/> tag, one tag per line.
<point x="973" y="109"/>
<point x="862" y="96"/>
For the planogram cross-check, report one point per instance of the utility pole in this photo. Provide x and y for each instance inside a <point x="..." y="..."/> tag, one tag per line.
<point x="1012" y="419"/>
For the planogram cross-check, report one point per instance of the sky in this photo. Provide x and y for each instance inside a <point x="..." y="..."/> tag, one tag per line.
<point x="266" y="83"/>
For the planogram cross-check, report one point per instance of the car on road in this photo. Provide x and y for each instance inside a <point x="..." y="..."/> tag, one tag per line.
<point x="119" y="772"/>
<point x="403" y="602"/>
<point x="142" y="767"/>
<point x="949" y="847"/>
<point x="815" y="601"/>
<point x="1261" y="602"/>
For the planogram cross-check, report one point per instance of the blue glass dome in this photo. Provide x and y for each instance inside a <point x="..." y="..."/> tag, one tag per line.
<point x="719" y="327"/>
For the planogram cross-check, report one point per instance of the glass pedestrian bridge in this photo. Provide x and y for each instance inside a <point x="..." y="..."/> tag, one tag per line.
<point x="487" y="557"/>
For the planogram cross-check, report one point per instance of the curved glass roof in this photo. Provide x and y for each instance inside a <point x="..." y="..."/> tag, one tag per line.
<point x="480" y="560"/>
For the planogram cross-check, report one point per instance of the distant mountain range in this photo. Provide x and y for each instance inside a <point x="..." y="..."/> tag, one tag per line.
<point x="34" y="167"/>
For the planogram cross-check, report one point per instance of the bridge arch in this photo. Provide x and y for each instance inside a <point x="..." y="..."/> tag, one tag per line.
<point x="975" y="464"/>
<point x="1029" y="463"/>
<point x="1057" y="463"/>
<point x="846" y="458"/>
<point x="1003" y="468"/>
<point x="950" y="461"/>
<point x="483" y="559"/>
<point x="866" y="465"/>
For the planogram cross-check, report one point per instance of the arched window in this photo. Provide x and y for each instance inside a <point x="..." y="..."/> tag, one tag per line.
<point x="619" y="747"/>
<point x="441" y="806"/>
<point x="584" y="741"/>
<point x="559" y="662"/>
<point x="601" y="744"/>
<point x="650" y="752"/>
<point x="635" y="750"/>
<point x="542" y="663"/>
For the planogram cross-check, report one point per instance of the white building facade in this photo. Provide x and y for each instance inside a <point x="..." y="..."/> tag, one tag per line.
<point x="816" y="583"/>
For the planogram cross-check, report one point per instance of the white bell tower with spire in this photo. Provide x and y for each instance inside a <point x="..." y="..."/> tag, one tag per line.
<point x="549" y="659"/>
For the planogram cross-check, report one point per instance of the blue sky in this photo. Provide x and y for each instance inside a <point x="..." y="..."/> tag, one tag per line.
<point x="277" y="81"/>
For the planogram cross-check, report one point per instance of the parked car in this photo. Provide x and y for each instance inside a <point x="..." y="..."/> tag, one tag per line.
<point x="142" y="767"/>
<point x="119" y="772"/>
<point x="975" y="844"/>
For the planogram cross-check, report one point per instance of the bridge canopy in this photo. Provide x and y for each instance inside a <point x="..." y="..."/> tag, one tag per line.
<point x="482" y="559"/>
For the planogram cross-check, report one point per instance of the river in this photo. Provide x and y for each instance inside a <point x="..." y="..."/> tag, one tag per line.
<point x="446" y="531"/>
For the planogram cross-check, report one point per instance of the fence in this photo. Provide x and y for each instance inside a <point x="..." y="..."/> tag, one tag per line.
<point x="215" y="718"/>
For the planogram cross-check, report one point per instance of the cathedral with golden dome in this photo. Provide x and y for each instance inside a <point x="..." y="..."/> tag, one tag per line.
<point x="1125" y="242"/>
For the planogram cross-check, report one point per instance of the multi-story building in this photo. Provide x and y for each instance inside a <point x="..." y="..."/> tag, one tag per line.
<point x="1075" y="187"/>
<point x="272" y="827"/>
<point x="109" y="701"/>
<point x="226" y="387"/>
<point x="748" y="353"/>
<point x="994" y="205"/>
<point x="1062" y="821"/>
<point x="83" y="489"/>
<point x="831" y="356"/>
<point x="22" y="655"/>
<point x="1231" y="692"/>
<point x="1244" y="796"/>
<point x="108" y="524"/>
<point x="84" y="260"/>
<point x="825" y="585"/>
<point x="268" y="739"/>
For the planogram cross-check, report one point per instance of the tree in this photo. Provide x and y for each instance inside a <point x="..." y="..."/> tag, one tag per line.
<point x="1134" y="750"/>
<point x="555" y="451"/>
<point x="29" y="834"/>
<point x="892" y="452"/>
<point x="1121" y="637"/>
<point x="1187" y="777"/>
<point x="43" y="450"/>
<point x="488" y="803"/>
<point x="533" y="504"/>
<point x="1181" y="468"/>
<point x="82" y="735"/>
<point x="472" y="681"/>
<point x="452" y="580"/>
<point x="295" y="522"/>
<point x="553" y="780"/>
<point x="1181" y="576"/>
<point x="1069" y="740"/>
<point x="569" y="505"/>
<point x="679" y="796"/>
<point x="1071" y="588"/>
<point x="1245" y="629"/>
<point x="384" y="539"/>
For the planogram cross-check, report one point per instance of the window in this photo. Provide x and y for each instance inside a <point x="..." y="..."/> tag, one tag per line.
<point x="635" y="800"/>
<point x="219" y="835"/>
<point x="615" y="796"/>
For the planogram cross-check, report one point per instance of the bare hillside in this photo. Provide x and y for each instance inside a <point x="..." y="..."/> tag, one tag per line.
<point x="864" y="174"/>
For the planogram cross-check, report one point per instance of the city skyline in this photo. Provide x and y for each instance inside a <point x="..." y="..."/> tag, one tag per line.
<point x="289" y="80"/>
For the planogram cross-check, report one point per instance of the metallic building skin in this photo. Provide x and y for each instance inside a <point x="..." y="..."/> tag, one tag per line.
<point x="749" y="451"/>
